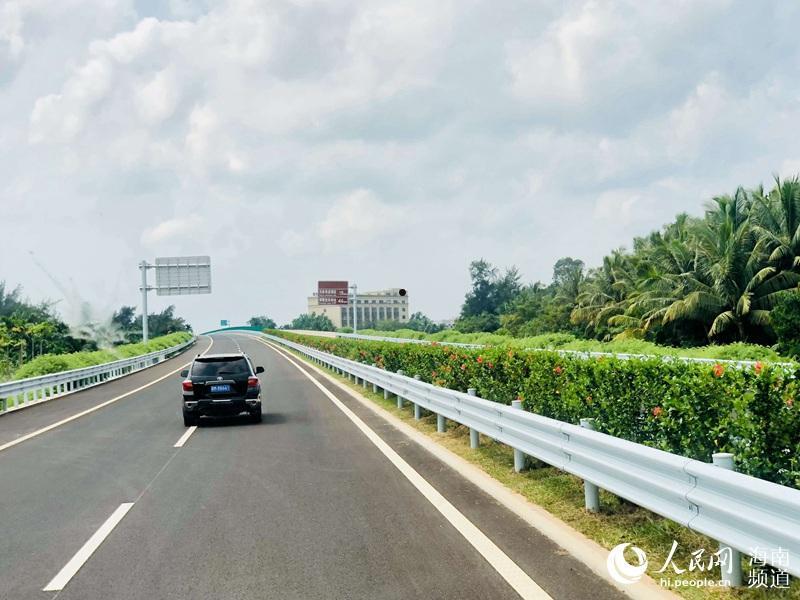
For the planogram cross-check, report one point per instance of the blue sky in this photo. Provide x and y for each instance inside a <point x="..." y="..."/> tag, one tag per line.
<point x="386" y="143"/>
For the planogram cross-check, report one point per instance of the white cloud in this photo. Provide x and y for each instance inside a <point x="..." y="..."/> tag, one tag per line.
<point x="11" y="29"/>
<point x="203" y="123"/>
<point x="293" y="243"/>
<point x="356" y="219"/>
<point x="174" y="230"/>
<point x="157" y="99"/>
<point x="357" y="139"/>
<point x="60" y="117"/>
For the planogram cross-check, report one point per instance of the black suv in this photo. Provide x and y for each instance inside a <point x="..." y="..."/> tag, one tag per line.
<point x="219" y="385"/>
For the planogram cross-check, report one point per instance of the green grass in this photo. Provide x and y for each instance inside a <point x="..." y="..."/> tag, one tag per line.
<point x="561" y="494"/>
<point x="565" y="341"/>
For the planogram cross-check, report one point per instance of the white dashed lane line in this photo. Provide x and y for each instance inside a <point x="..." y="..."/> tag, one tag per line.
<point x="81" y="556"/>
<point x="185" y="436"/>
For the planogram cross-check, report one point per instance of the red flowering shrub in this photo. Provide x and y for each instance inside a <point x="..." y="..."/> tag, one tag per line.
<point x="683" y="408"/>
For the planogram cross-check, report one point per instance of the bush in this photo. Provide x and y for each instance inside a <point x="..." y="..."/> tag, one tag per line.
<point x="56" y="363"/>
<point x="567" y="341"/>
<point x="690" y="409"/>
<point x="785" y="321"/>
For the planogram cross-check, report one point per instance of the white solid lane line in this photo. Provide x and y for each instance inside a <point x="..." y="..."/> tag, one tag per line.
<point x="33" y="434"/>
<point x="184" y="437"/>
<point x="518" y="579"/>
<point x="81" y="556"/>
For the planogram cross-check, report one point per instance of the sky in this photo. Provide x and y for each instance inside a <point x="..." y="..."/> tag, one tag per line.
<point x="386" y="143"/>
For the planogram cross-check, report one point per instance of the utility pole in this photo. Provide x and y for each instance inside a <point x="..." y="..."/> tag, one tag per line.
<point x="143" y="266"/>
<point x="354" y="287"/>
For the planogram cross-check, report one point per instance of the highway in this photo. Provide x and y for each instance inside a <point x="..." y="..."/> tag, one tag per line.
<point x="323" y="499"/>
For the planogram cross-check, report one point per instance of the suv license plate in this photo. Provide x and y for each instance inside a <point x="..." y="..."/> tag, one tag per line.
<point x="217" y="389"/>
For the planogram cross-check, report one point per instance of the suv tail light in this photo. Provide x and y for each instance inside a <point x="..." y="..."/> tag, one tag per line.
<point x="187" y="385"/>
<point x="252" y="382"/>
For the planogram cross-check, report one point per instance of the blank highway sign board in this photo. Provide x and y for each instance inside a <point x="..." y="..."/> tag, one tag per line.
<point x="181" y="275"/>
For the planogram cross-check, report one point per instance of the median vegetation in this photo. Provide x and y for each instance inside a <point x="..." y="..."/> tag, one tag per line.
<point x="690" y="409"/>
<point x="567" y="341"/>
<point x="56" y="363"/>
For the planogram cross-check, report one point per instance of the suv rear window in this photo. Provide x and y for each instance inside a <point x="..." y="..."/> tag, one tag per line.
<point x="213" y="367"/>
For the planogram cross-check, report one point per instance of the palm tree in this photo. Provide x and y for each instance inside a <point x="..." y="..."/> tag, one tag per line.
<point x="605" y="294"/>
<point x="776" y="222"/>
<point x="732" y="287"/>
<point x="665" y="259"/>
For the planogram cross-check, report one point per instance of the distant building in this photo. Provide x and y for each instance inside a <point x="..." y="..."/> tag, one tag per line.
<point x="383" y="305"/>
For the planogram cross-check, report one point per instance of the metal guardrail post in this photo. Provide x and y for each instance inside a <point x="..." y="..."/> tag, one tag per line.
<point x="399" y="397"/>
<point x="519" y="455"/>
<point x="374" y="385"/>
<point x="441" y="423"/>
<point x="591" y="492"/>
<point x="474" y="435"/>
<point x="417" y="407"/>
<point x="732" y="576"/>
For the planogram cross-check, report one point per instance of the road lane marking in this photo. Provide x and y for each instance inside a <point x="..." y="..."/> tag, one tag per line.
<point x="52" y="426"/>
<point x="184" y="437"/>
<point x="518" y="579"/>
<point x="81" y="556"/>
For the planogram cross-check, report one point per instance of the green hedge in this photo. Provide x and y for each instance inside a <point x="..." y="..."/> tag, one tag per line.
<point x="688" y="409"/>
<point x="55" y="363"/>
<point x="566" y="341"/>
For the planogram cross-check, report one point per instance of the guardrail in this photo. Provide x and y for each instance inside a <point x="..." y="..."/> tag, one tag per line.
<point x="26" y="392"/>
<point x="578" y="353"/>
<point x="743" y="513"/>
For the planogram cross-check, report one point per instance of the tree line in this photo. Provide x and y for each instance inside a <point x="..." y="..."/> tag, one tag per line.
<point x="318" y="322"/>
<point x="29" y="330"/>
<point x="729" y="275"/>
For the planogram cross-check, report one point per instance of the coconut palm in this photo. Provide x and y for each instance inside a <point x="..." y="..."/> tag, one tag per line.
<point x="732" y="287"/>
<point x="605" y="294"/>
<point x="776" y="222"/>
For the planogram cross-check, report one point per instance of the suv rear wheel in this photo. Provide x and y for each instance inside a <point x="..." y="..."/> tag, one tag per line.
<point x="256" y="415"/>
<point x="189" y="420"/>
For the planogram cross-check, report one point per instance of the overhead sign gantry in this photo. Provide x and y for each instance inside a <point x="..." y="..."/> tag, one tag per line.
<point x="175" y="276"/>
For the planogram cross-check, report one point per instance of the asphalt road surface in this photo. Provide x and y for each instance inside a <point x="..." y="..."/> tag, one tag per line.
<point x="302" y="506"/>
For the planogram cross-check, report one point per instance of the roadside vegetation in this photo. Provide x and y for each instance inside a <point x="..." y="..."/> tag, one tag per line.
<point x="689" y="409"/>
<point x="31" y="331"/>
<point x="311" y="322"/>
<point x="262" y="322"/>
<point x="55" y="363"/>
<point x="28" y="330"/>
<point x="561" y="494"/>
<point x="568" y="341"/>
<point x="730" y="276"/>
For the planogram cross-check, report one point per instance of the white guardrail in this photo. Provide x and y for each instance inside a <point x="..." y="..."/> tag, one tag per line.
<point x="26" y="392"/>
<point x="578" y="353"/>
<point x="741" y="512"/>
